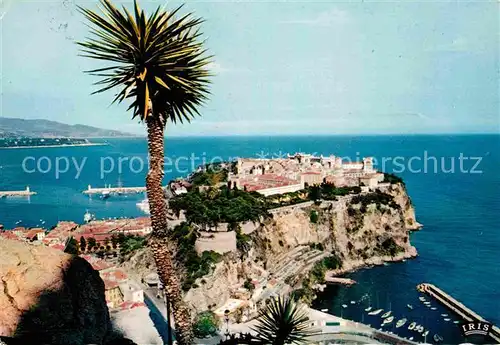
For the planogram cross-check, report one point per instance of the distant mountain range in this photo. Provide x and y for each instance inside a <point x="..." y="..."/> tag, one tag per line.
<point x="14" y="128"/>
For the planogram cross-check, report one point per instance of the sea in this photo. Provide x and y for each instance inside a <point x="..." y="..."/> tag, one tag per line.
<point x="453" y="181"/>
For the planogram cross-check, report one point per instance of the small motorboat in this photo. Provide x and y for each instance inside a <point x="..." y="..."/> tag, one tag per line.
<point x="419" y="328"/>
<point x="353" y="302"/>
<point x="344" y="305"/>
<point x="386" y="314"/>
<point x="427" y="302"/>
<point x="375" y="312"/>
<point x="324" y="310"/>
<point x="433" y="308"/>
<point x="444" y="315"/>
<point x="422" y="298"/>
<point x="437" y="338"/>
<point x="409" y="306"/>
<point x="428" y="305"/>
<point x="401" y="322"/>
<point x="456" y="321"/>
<point x="410" y="338"/>
<point x="447" y="319"/>
<point x="412" y="325"/>
<point x="368" y="309"/>
<point x="388" y="320"/>
<point x="426" y="333"/>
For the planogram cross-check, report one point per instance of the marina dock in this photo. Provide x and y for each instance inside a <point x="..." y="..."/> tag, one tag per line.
<point x="8" y="193"/>
<point x="457" y="307"/>
<point x="114" y="190"/>
<point x="332" y="279"/>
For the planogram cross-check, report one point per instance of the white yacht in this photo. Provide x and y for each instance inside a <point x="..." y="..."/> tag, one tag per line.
<point x="375" y="312"/>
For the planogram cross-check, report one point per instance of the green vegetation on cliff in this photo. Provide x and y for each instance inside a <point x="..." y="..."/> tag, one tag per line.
<point x="205" y="325"/>
<point x="196" y="266"/>
<point x="215" y="206"/>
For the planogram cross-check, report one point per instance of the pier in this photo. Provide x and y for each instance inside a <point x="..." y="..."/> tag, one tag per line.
<point x="457" y="307"/>
<point x="26" y="192"/>
<point x="114" y="190"/>
<point x="332" y="279"/>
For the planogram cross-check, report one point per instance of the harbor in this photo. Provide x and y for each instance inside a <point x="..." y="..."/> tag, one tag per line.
<point x="16" y="193"/>
<point x="108" y="190"/>
<point x="457" y="307"/>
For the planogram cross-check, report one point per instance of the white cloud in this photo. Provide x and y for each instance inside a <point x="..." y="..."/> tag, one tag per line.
<point x="332" y="17"/>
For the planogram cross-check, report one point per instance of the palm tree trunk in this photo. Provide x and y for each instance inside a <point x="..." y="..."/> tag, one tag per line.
<point x="159" y="239"/>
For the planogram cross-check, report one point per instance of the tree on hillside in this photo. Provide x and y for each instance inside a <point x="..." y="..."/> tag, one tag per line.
<point x="92" y="243"/>
<point x="158" y="62"/>
<point x="83" y="244"/>
<point x="71" y="246"/>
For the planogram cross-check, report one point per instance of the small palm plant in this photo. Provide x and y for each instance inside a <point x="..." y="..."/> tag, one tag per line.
<point x="282" y="321"/>
<point x="158" y="62"/>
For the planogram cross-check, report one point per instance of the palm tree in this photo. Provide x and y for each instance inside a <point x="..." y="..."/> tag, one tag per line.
<point x="159" y="63"/>
<point x="282" y="321"/>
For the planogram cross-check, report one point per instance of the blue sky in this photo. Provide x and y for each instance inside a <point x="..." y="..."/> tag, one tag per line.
<point x="282" y="67"/>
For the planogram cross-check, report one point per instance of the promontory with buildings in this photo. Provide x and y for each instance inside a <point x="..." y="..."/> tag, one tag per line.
<point x="248" y="230"/>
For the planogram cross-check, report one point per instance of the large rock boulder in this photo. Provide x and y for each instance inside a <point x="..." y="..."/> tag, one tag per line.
<point x="49" y="297"/>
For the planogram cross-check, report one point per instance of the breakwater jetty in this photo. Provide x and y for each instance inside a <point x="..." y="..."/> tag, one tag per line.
<point x="8" y="193"/>
<point x="114" y="190"/>
<point x="457" y="307"/>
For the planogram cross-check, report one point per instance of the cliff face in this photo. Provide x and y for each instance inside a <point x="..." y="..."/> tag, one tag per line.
<point x="357" y="234"/>
<point x="359" y="231"/>
<point x="48" y="297"/>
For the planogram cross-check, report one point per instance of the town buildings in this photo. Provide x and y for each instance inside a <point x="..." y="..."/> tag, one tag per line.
<point x="295" y="172"/>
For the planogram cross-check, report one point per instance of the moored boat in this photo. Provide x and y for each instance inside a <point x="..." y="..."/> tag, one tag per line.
<point x="409" y="306"/>
<point x="401" y="322"/>
<point x="426" y="333"/>
<point x="344" y="305"/>
<point x="412" y="325"/>
<point x="422" y="299"/>
<point x="447" y="319"/>
<point x="386" y="314"/>
<point x="375" y="312"/>
<point x="368" y="309"/>
<point x="388" y="320"/>
<point x="437" y="338"/>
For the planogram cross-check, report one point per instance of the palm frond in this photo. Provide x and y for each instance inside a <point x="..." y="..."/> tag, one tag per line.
<point x="156" y="61"/>
<point x="282" y="321"/>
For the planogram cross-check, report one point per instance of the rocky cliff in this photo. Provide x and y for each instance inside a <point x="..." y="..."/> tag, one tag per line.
<point x="48" y="297"/>
<point x="359" y="230"/>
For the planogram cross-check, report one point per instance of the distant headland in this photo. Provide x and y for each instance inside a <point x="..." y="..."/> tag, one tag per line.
<point x="19" y="128"/>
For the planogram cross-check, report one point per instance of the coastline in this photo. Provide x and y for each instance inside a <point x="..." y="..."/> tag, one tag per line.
<point x="374" y="261"/>
<point x="52" y="146"/>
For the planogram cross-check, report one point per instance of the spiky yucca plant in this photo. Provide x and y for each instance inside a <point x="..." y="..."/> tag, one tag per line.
<point x="282" y="321"/>
<point x="158" y="62"/>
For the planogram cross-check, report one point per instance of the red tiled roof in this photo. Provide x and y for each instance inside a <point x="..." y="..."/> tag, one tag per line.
<point x="97" y="264"/>
<point x="116" y="275"/>
<point x="109" y="284"/>
<point x="57" y="246"/>
<point x="9" y="235"/>
<point x="33" y="232"/>
<point x="131" y="305"/>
